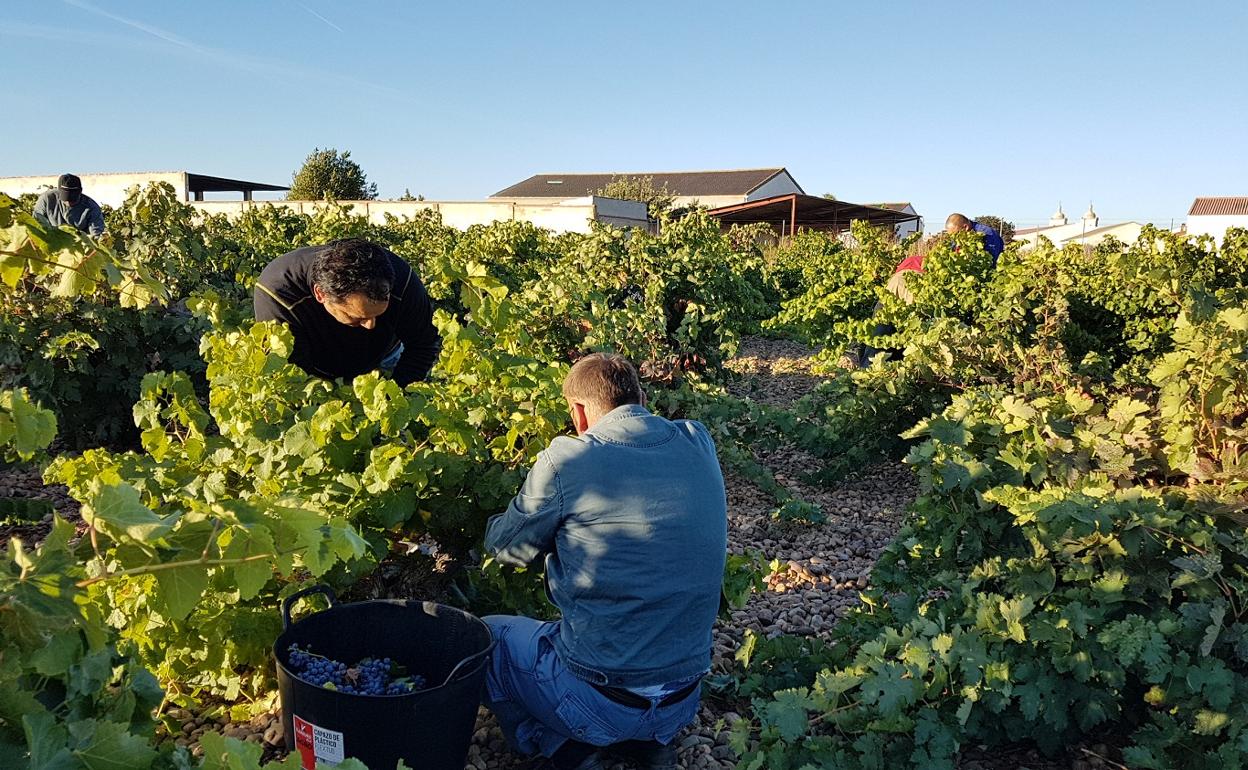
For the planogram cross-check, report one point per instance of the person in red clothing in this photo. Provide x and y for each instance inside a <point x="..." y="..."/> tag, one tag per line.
<point x="897" y="285"/>
<point x="956" y="223"/>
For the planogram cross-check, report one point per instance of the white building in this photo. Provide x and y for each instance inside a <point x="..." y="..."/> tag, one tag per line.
<point x="109" y="189"/>
<point x="905" y="228"/>
<point x="559" y="215"/>
<point x="1087" y="230"/>
<point x="1211" y="216"/>
<point x="573" y="215"/>
<point x="708" y="188"/>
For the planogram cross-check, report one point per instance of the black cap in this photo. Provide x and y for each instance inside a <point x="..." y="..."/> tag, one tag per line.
<point x="68" y="188"/>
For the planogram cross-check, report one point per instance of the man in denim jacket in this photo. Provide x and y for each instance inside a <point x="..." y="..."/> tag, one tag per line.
<point x="631" y="517"/>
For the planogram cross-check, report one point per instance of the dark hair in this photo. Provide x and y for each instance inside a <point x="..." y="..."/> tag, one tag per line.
<point x="605" y="380"/>
<point x="353" y="266"/>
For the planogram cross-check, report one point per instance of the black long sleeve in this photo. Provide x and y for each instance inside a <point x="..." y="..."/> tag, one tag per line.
<point x="330" y="349"/>
<point x="415" y="329"/>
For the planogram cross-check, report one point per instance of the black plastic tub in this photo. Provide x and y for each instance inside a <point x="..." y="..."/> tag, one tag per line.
<point x="429" y="729"/>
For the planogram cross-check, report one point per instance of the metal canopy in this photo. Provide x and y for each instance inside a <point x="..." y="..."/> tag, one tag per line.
<point x="198" y="184"/>
<point x="793" y="212"/>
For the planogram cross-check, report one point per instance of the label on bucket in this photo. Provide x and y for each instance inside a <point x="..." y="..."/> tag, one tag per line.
<point x="316" y="744"/>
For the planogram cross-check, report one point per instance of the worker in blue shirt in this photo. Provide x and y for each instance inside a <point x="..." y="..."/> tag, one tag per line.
<point x="960" y="223"/>
<point x="611" y="513"/>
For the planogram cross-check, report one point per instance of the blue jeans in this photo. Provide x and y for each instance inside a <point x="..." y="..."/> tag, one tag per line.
<point x="540" y="704"/>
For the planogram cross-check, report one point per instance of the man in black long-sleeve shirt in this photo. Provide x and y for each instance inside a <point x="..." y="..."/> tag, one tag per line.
<point x="353" y="307"/>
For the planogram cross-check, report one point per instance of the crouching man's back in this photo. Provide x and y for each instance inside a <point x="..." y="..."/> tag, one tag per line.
<point x="631" y="519"/>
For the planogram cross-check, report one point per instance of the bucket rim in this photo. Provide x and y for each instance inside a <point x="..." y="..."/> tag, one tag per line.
<point x="483" y="656"/>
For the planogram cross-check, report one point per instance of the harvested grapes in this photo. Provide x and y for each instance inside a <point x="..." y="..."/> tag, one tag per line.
<point x="369" y="676"/>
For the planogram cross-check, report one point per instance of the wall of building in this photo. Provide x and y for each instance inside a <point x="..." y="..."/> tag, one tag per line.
<point x="1214" y="225"/>
<point x="780" y="184"/>
<point x="710" y="201"/>
<point x="1127" y="232"/>
<point x="909" y="228"/>
<point x="105" y="189"/>
<point x="1058" y="235"/>
<point x="573" y="215"/>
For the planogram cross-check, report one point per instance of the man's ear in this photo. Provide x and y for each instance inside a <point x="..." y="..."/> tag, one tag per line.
<point x="318" y="294"/>
<point x="580" y="420"/>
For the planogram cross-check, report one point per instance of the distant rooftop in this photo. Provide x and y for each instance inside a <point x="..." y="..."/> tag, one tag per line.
<point x="684" y="183"/>
<point x="895" y="206"/>
<point x="1226" y="206"/>
<point x="788" y="214"/>
<point x="109" y="186"/>
<point x="200" y="182"/>
<point x="205" y="183"/>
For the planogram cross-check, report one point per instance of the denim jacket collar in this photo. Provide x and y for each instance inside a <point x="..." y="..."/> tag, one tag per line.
<point x="615" y="415"/>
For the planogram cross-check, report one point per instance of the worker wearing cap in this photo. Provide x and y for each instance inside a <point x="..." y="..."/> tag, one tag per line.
<point x="66" y="205"/>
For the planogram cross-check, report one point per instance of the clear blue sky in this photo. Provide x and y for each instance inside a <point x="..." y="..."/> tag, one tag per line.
<point x="1001" y="107"/>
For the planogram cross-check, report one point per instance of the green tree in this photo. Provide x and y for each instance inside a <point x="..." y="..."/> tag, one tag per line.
<point x="639" y="188"/>
<point x="1004" y="228"/>
<point x="328" y="174"/>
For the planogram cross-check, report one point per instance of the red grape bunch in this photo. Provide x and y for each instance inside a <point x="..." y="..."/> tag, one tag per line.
<point x="369" y="676"/>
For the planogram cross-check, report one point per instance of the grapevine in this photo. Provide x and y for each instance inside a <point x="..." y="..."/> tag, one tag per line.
<point x="1077" y="419"/>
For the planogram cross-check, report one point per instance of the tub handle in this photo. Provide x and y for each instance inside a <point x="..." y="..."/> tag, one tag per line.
<point x="289" y="601"/>
<point x="470" y="659"/>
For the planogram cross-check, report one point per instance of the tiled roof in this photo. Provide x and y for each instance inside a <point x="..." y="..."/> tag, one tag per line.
<point x="1230" y="206"/>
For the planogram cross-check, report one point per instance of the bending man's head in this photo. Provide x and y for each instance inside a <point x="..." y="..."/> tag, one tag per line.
<point x="68" y="188"/>
<point x="957" y="223"/>
<point x="598" y="383"/>
<point x="352" y="279"/>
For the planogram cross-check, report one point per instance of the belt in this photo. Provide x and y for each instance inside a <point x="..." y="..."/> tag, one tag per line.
<point x="633" y="700"/>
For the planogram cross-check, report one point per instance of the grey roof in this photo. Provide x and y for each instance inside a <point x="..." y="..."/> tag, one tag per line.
<point x="683" y="183"/>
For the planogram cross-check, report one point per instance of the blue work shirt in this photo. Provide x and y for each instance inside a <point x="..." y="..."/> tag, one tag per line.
<point x="84" y="214"/>
<point x="992" y="240"/>
<point x="632" y="517"/>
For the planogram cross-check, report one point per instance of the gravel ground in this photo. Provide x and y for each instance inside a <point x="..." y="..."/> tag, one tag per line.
<point x="773" y="372"/>
<point x="26" y="482"/>
<point x="827" y="564"/>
